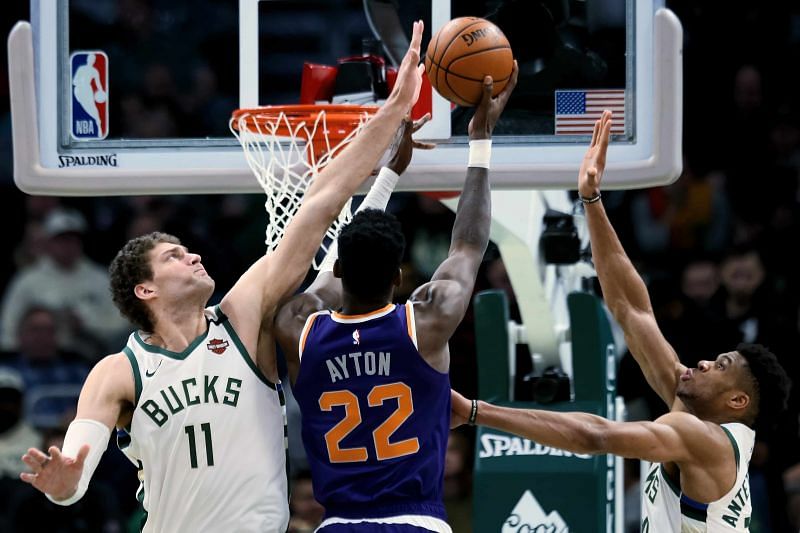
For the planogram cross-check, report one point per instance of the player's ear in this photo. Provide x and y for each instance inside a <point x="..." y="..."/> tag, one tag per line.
<point x="739" y="400"/>
<point x="398" y="278"/>
<point x="145" y="291"/>
<point x="337" y="269"/>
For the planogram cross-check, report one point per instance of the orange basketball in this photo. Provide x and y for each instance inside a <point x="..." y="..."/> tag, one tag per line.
<point x="461" y="53"/>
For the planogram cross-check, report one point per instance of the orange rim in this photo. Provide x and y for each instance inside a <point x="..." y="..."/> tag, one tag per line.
<point x="341" y="119"/>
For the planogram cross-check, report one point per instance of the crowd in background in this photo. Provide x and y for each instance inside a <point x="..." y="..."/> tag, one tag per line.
<point x="715" y="247"/>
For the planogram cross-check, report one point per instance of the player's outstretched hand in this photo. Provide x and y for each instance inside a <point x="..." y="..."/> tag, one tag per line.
<point x="402" y="153"/>
<point x="489" y="109"/>
<point x="409" y="75"/>
<point x="460" y="409"/>
<point x="56" y="474"/>
<point x="594" y="162"/>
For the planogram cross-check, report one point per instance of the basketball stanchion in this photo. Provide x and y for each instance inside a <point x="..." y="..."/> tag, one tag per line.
<point x="287" y="146"/>
<point x="533" y="487"/>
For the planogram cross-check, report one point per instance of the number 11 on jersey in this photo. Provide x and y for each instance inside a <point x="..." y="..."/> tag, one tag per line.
<point x="190" y="433"/>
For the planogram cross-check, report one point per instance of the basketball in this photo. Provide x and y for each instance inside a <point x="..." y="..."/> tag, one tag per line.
<point x="100" y="96"/>
<point x="461" y="53"/>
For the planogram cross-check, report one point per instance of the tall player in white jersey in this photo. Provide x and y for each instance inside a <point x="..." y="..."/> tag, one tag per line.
<point x="197" y="389"/>
<point x="702" y="447"/>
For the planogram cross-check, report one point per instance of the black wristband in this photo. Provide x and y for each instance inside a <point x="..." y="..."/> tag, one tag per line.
<point x="473" y="413"/>
<point x="591" y="200"/>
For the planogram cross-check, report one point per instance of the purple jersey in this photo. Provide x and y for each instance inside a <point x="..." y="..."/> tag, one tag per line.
<point x="376" y="416"/>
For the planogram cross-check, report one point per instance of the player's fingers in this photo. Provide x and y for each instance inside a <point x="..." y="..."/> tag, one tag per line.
<point x="509" y="88"/>
<point x="595" y="133"/>
<point x="34" y="464"/>
<point x="419" y="145"/>
<point x="488" y="85"/>
<point x="37" y="455"/>
<point x="27" y="477"/>
<point x="416" y="35"/>
<point x="55" y="453"/>
<point x="422" y="121"/>
<point x="605" y="135"/>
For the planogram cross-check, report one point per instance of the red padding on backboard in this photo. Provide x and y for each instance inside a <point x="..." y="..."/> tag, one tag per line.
<point x="317" y="83"/>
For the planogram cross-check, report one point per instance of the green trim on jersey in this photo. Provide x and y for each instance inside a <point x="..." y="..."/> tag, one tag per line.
<point x="223" y="320"/>
<point x="670" y="483"/>
<point x="137" y="376"/>
<point x="140" y="499"/>
<point x="172" y="355"/>
<point x="735" y="446"/>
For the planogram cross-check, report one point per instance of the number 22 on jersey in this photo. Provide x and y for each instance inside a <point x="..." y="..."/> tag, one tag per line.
<point x="377" y="396"/>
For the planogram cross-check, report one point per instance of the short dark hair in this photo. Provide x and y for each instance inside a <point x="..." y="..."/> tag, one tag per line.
<point x="371" y="248"/>
<point x="130" y="267"/>
<point x="771" y="384"/>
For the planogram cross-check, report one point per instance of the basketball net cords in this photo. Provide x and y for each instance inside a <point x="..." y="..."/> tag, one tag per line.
<point x="285" y="167"/>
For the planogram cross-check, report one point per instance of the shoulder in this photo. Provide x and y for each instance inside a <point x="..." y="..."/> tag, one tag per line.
<point x="435" y="294"/>
<point x="113" y="365"/>
<point x="701" y="437"/>
<point x="112" y="376"/>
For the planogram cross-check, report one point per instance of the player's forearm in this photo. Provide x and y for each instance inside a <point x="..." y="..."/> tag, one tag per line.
<point x="474" y="213"/>
<point x="623" y="288"/>
<point x="574" y="432"/>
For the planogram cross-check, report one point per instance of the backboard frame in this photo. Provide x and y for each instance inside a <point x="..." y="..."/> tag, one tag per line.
<point x="42" y="164"/>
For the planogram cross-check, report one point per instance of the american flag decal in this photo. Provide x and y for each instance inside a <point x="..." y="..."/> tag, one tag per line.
<point x="577" y="110"/>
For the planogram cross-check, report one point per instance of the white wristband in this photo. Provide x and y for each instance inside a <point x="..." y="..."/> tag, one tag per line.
<point x="480" y="153"/>
<point x="380" y="192"/>
<point x="80" y="432"/>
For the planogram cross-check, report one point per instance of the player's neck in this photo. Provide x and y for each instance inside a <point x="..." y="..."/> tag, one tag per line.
<point x="359" y="306"/>
<point x="177" y="329"/>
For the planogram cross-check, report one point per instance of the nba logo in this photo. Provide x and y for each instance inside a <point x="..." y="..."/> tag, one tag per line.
<point x="89" y="116"/>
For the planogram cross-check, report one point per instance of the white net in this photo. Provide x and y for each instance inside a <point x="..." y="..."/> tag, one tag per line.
<point x="286" y="155"/>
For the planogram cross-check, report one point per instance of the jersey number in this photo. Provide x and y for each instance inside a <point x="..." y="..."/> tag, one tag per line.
<point x="352" y="418"/>
<point x="206" y="429"/>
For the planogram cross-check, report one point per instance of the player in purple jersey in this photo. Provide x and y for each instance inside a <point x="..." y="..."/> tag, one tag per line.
<point x="371" y="377"/>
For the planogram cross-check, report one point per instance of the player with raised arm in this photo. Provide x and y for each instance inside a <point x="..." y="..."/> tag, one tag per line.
<point x="371" y="377"/>
<point x="197" y="389"/>
<point x="702" y="447"/>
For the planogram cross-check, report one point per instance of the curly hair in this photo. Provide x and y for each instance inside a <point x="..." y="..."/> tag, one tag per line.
<point x="771" y="384"/>
<point x="130" y="267"/>
<point x="371" y="248"/>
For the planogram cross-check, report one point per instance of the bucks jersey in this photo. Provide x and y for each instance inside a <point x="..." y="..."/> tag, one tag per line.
<point x="666" y="510"/>
<point x="375" y="416"/>
<point x="208" y="436"/>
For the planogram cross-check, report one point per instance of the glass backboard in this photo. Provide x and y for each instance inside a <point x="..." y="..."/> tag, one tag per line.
<point x="134" y="96"/>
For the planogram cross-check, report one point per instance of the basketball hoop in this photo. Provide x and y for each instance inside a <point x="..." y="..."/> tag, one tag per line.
<point x="287" y="146"/>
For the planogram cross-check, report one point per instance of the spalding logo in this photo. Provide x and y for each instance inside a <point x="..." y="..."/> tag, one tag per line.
<point x="473" y="36"/>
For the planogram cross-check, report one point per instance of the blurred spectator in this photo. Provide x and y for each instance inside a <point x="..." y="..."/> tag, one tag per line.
<point x="751" y="303"/>
<point x="689" y="216"/>
<point x="458" y="482"/>
<point x="16" y="436"/>
<point x="70" y="284"/>
<point x="306" y="512"/>
<point x="53" y="377"/>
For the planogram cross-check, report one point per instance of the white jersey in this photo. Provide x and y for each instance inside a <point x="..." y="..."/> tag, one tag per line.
<point x="208" y="435"/>
<point x="666" y="510"/>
